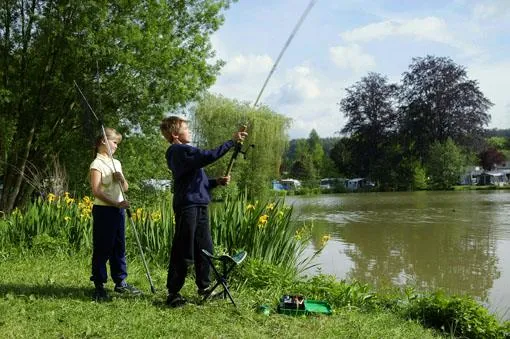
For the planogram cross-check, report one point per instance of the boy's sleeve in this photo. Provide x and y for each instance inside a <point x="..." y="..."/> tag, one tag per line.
<point x="197" y="158"/>
<point x="213" y="183"/>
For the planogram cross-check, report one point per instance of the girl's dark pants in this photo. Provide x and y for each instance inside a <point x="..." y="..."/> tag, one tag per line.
<point x="192" y="234"/>
<point x="109" y="244"/>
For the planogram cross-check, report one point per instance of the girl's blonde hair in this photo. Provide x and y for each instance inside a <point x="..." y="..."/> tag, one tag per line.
<point x="111" y="134"/>
<point x="171" y="125"/>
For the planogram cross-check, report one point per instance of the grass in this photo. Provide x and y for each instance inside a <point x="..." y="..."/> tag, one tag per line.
<point x="49" y="296"/>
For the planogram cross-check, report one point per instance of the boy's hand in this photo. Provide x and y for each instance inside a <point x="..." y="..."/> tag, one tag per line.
<point x="223" y="180"/>
<point x="239" y="136"/>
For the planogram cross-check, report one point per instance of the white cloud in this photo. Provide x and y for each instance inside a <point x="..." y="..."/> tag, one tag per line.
<point x="488" y="10"/>
<point x="428" y="29"/>
<point x="300" y="85"/>
<point x="242" y="76"/>
<point x="352" y="57"/>
<point x="247" y="65"/>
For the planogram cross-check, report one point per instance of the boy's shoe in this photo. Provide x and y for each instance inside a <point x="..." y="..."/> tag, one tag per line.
<point x="207" y="292"/>
<point x="124" y="287"/>
<point x="175" y="300"/>
<point x="100" y="294"/>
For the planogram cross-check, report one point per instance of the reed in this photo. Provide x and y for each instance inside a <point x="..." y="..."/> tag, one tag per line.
<point x="264" y="229"/>
<point x="57" y="217"/>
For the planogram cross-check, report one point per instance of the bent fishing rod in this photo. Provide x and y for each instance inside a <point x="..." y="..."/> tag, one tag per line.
<point x="128" y="211"/>
<point x="239" y="144"/>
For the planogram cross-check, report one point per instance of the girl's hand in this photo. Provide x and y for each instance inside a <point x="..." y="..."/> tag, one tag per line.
<point x="119" y="177"/>
<point x="123" y="204"/>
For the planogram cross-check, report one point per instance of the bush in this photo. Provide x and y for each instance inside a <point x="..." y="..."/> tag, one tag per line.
<point x="457" y="316"/>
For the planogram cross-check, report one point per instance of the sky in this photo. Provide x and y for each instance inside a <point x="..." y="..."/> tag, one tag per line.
<point x="340" y="41"/>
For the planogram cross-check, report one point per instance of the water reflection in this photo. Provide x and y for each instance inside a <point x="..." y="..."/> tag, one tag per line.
<point x="430" y="240"/>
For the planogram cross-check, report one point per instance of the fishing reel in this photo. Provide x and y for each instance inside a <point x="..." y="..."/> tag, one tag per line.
<point x="238" y="149"/>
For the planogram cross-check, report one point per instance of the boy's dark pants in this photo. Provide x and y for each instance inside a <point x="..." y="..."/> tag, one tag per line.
<point x="109" y="243"/>
<point x="192" y="234"/>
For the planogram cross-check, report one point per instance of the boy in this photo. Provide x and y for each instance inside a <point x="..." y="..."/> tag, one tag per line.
<point x="190" y="204"/>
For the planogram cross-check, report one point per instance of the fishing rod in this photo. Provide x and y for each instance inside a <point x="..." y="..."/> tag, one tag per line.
<point x="239" y="144"/>
<point x="128" y="211"/>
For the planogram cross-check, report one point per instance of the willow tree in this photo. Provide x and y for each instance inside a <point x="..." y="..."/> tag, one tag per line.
<point x="134" y="60"/>
<point x="215" y="118"/>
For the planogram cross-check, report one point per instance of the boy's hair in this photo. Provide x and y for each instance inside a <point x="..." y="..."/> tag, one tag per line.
<point x="111" y="134"/>
<point x="171" y="125"/>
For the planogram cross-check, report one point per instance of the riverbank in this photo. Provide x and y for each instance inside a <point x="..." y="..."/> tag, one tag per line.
<point x="48" y="295"/>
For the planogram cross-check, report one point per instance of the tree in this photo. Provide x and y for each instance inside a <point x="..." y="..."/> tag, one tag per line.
<point x="438" y="101"/>
<point x="490" y="157"/>
<point x="215" y="118"/>
<point x="341" y="155"/>
<point x="134" y="61"/>
<point x="445" y="164"/>
<point x="316" y="151"/>
<point x="370" y="107"/>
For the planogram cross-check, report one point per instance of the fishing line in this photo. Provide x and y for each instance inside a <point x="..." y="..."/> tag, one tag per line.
<point x="291" y="36"/>
<point x="243" y="128"/>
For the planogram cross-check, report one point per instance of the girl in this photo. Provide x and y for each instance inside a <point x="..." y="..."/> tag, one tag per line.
<point x="108" y="233"/>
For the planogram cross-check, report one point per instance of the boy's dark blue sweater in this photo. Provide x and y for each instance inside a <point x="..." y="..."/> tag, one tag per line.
<point x="191" y="185"/>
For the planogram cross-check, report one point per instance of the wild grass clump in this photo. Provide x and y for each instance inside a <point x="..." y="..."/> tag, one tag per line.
<point x="58" y="217"/>
<point x="264" y="229"/>
<point x="459" y="317"/>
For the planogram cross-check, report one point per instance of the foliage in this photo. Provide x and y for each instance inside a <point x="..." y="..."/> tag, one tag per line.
<point x="498" y="142"/>
<point x="50" y="221"/>
<point x="133" y="60"/>
<point x="215" y="119"/>
<point x="142" y="157"/>
<point x="490" y="157"/>
<point x="445" y="164"/>
<point x="342" y="157"/>
<point x="369" y="107"/>
<point x="264" y="229"/>
<point x="419" y="178"/>
<point x="438" y="102"/>
<point x="460" y="317"/>
<point x="390" y="128"/>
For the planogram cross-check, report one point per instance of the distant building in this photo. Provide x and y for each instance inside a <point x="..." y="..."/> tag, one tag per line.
<point x="286" y="184"/>
<point x="330" y="183"/>
<point x="492" y="178"/>
<point x="358" y="183"/>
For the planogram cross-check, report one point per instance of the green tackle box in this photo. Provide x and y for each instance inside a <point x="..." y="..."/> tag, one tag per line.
<point x="307" y="307"/>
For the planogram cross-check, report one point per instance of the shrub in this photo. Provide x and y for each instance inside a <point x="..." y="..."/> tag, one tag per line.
<point x="457" y="316"/>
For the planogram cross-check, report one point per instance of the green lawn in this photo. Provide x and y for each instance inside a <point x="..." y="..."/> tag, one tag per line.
<point x="49" y="296"/>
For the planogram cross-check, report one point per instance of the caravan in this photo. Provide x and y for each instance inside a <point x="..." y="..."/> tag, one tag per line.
<point x="358" y="183"/>
<point x="286" y="184"/>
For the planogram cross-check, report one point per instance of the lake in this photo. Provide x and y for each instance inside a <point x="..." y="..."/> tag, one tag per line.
<point x="458" y="242"/>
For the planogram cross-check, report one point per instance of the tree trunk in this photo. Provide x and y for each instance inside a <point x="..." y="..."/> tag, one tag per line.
<point x="16" y="173"/>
